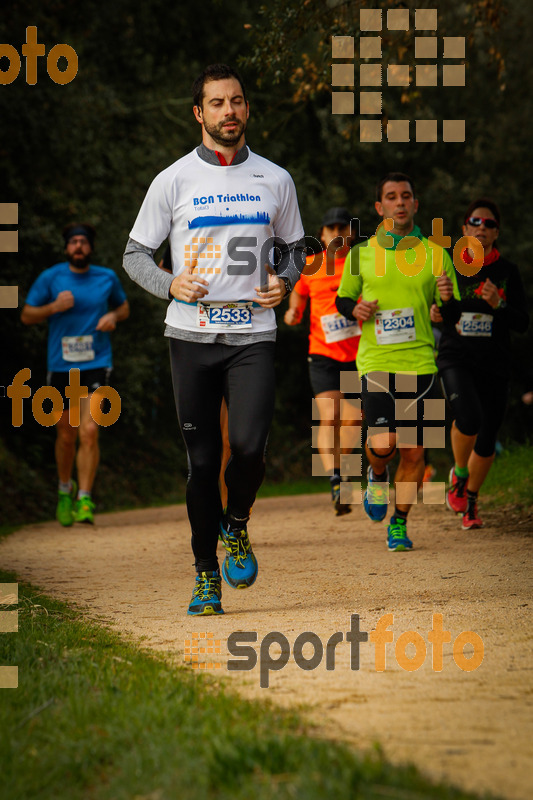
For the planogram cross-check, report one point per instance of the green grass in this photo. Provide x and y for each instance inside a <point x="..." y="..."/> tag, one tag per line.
<point x="510" y="480"/>
<point x="5" y="530"/>
<point x="303" y="486"/>
<point x="95" y="717"/>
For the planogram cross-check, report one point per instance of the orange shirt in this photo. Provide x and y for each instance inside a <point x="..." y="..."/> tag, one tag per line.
<point x="331" y="334"/>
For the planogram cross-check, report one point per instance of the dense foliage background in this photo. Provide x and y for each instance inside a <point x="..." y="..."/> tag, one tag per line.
<point x="88" y="151"/>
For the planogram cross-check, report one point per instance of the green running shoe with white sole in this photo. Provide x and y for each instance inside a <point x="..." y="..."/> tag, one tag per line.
<point x="397" y="538"/>
<point x="84" y="510"/>
<point x="65" y="506"/>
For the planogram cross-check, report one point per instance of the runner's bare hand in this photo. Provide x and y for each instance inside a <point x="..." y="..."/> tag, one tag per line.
<point x="63" y="301"/>
<point x="292" y="316"/>
<point x="489" y="293"/>
<point x="188" y="286"/>
<point x="434" y="313"/>
<point x="108" y="322"/>
<point x="365" y="310"/>
<point x="275" y="292"/>
<point x="445" y="287"/>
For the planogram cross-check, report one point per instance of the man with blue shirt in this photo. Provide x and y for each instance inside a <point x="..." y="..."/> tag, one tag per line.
<point x="75" y="297"/>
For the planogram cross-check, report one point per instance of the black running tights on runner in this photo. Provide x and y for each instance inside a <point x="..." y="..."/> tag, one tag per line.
<point x="202" y="374"/>
<point x="478" y="400"/>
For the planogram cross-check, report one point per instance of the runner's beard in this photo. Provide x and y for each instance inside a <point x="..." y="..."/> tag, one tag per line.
<point x="220" y="136"/>
<point x="79" y="261"/>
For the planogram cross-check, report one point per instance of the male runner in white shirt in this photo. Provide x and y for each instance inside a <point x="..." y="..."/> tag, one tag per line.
<point x="223" y="208"/>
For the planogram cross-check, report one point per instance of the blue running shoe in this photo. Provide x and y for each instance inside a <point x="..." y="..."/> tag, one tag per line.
<point x="376" y="497"/>
<point x="206" y="595"/>
<point x="240" y="565"/>
<point x="397" y="538"/>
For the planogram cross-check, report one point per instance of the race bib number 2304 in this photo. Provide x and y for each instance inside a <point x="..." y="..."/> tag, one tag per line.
<point x="395" y="326"/>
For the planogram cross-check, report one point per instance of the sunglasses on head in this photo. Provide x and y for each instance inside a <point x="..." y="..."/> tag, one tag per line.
<point x="476" y="222"/>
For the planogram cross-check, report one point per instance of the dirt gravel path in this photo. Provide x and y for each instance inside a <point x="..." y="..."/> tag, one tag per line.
<point x="473" y="728"/>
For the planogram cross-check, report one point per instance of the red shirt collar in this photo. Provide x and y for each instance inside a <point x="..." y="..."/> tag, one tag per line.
<point x="490" y="259"/>
<point x="223" y="162"/>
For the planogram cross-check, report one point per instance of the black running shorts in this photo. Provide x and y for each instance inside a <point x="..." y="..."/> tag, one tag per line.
<point x="325" y="373"/>
<point x="92" y="378"/>
<point x="392" y="401"/>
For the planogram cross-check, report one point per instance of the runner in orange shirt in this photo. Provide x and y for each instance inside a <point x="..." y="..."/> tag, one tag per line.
<point x="333" y="342"/>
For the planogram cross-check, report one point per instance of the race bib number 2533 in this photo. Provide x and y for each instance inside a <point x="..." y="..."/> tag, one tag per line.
<point x="224" y="316"/>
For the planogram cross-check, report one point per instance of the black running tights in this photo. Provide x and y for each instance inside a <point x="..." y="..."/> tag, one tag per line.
<point x="478" y="400"/>
<point x="202" y="374"/>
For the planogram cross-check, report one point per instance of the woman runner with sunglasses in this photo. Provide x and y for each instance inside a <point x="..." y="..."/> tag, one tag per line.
<point x="474" y="357"/>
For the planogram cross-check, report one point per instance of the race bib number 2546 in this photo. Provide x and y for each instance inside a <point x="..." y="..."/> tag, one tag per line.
<point x="472" y="324"/>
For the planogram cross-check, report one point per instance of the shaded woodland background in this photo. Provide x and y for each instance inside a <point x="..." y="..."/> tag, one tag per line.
<point x="88" y="151"/>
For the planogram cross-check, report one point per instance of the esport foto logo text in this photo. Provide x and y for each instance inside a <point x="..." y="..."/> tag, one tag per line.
<point x="308" y="651"/>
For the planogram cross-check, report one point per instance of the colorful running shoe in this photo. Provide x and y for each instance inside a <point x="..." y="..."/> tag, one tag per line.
<point x="397" y="538"/>
<point x="429" y="473"/>
<point x="340" y="508"/>
<point x="65" y="506"/>
<point x="456" y="495"/>
<point x="206" y="595"/>
<point x="84" y="510"/>
<point x="471" y="518"/>
<point x="376" y="497"/>
<point x="240" y="565"/>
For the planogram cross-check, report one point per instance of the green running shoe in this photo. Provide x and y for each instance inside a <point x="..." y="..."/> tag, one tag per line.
<point x="206" y="595"/>
<point x="65" y="506"/>
<point x="397" y="538"/>
<point x="84" y="510"/>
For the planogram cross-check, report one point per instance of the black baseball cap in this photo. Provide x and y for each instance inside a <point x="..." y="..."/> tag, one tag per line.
<point x="336" y="216"/>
